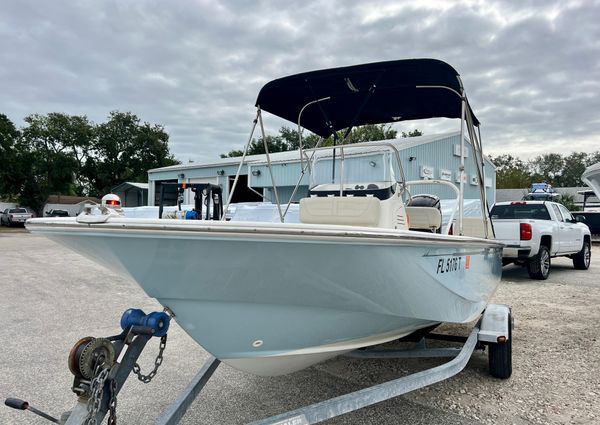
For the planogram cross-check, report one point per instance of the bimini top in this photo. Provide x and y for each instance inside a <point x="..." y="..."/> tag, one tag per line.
<point x="372" y="93"/>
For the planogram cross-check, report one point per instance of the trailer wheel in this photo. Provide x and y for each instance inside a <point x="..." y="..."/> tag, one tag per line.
<point x="538" y="266"/>
<point x="581" y="260"/>
<point x="500" y="355"/>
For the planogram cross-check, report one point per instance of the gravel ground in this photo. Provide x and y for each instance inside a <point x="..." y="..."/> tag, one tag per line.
<point x="52" y="297"/>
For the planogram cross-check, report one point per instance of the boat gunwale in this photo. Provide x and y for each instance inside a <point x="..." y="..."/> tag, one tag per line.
<point x="257" y="230"/>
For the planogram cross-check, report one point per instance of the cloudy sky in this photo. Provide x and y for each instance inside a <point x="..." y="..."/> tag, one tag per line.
<point x="531" y="68"/>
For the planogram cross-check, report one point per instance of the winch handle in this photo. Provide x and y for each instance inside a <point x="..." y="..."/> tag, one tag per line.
<point x="17" y="403"/>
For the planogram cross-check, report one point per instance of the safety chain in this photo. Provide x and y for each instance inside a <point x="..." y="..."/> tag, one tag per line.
<point x="97" y="391"/>
<point x="112" y="403"/>
<point x="157" y="362"/>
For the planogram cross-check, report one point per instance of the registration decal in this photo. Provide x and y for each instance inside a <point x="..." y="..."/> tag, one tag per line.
<point x="453" y="264"/>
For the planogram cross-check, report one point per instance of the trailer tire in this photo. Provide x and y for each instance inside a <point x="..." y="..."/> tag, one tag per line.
<point x="538" y="266"/>
<point x="582" y="260"/>
<point x="500" y="356"/>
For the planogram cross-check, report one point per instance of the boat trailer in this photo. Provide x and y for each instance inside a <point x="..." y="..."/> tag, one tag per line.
<point x="102" y="365"/>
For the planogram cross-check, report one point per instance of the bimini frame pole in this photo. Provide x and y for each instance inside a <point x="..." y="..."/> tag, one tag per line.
<point x="461" y="196"/>
<point x="262" y="130"/>
<point x="237" y="174"/>
<point x="461" y="168"/>
<point x="479" y="166"/>
<point x="300" y="147"/>
<point x="303" y="168"/>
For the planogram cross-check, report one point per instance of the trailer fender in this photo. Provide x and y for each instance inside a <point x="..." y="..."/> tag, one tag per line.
<point x="495" y="323"/>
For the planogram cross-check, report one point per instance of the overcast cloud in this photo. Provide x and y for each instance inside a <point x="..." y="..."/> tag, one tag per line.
<point x="531" y="68"/>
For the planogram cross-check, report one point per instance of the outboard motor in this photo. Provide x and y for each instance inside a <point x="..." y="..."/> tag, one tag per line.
<point x="425" y="200"/>
<point x="429" y="201"/>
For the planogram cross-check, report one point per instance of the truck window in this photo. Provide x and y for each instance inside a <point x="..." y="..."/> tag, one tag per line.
<point x="18" y="211"/>
<point x="559" y="216"/>
<point x="565" y="212"/>
<point x="519" y="211"/>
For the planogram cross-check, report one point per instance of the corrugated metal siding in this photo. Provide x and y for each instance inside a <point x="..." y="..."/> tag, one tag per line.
<point x="285" y="193"/>
<point x="286" y="174"/>
<point x="437" y="155"/>
<point x="192" y="173"/>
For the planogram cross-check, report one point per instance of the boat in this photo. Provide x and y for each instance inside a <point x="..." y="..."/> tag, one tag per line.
<point x="541" y="192"/>
<point x="591" y="177"/>
<point x="363" y="266"/>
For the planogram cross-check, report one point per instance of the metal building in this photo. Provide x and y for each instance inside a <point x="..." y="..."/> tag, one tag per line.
<point x="132" y="194"/>
<point x="425" y="157"/>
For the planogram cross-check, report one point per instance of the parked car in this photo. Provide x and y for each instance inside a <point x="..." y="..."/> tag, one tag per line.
<point x="536" y="231"/>
<point x="57" y="213"/>
<point x="14" y="216"/>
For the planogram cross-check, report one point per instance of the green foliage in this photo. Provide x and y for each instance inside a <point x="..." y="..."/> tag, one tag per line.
<point x="548" y="168"/>
<point x="67" y="154"/>
<point x="573" y="167"/>
<point x="511" y="172"/>
<point x="555" y="169"/>
<point x="124" y="149"/>
<point x="415" y="133"/>
<point x="10" y="163"/>
<point x="57" y="145"/>
<point x="366" y="133"/>
<point x="257" y="146"/>
<point x="568" y="201"/>
<point x="287" y="139"/>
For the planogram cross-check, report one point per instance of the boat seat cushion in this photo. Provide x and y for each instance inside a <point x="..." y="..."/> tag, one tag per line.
<point x="353" y="211"/>
<point x="424" y="218"/>
<point x="473" y="226"/>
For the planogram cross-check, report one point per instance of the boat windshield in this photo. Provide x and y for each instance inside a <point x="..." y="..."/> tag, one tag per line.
<point x="358" y="169"/>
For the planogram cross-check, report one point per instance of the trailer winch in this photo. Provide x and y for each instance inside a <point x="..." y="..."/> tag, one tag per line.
<point x="102" y="365"/>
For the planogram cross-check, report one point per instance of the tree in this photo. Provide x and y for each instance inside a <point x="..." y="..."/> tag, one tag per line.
<point x="257" y="147"/>
<point x="70" y="155"/>
<point x="368" y="133"/>
<point x="290" y="137"/>
<point x="548" y="168"/>
<point x="573" y="168"/>
<point x="288" y="140"/>
<point x="124" y="149"/>
<point x="511" y="172"/>
<point x="593" y="158"/>
<point x="415" y="133"/>
<point x="10" y="166"/>
<point x="60" y="144"/>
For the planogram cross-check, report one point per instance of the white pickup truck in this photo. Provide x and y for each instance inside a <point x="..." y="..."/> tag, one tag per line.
<point x="535" y="231"/>
<point x="14" y="216"/>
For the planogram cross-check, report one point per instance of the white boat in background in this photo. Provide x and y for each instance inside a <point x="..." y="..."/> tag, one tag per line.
<point x="273" y="298"/>
<point x="591" y="177"/>
<point x="591" y="213"/>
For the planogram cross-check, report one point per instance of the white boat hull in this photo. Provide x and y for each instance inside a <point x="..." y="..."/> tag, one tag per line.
<point x="272" y="298"/>
<point x="591" y="176"/>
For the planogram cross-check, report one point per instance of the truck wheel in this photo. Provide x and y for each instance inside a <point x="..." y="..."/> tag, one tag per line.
<point x="538" y="266"/>
<point x="500" y="356"/>
<point x="582" y="260"/>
